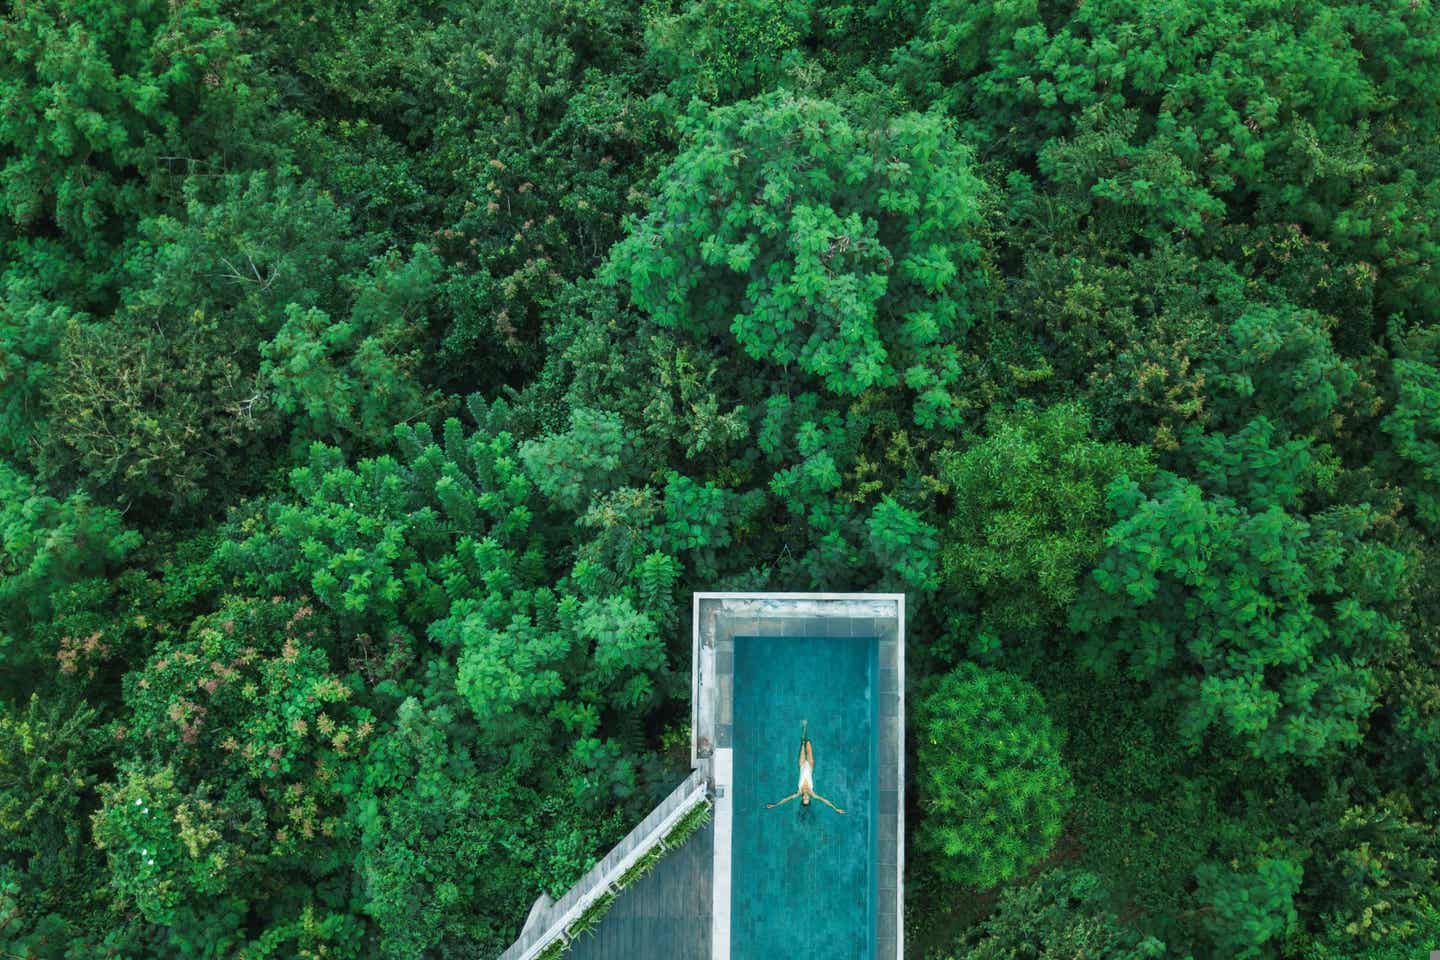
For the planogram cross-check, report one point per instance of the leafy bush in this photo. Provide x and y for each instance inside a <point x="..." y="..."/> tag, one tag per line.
<point x="990" y="778"/>
<point x="1063" y="913"/>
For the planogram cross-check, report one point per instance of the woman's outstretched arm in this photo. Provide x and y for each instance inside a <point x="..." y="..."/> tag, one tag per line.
<point x="786" y="800"/>
<point x="827" y="802"/>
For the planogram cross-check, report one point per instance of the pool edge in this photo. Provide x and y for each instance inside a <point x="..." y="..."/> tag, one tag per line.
<point x="717" y="618"/>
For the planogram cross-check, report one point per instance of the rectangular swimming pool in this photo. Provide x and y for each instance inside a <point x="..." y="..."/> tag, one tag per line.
<point x="803" y="879"/>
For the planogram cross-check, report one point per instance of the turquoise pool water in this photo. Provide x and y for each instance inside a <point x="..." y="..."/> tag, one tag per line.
<point x="802" y="879"/>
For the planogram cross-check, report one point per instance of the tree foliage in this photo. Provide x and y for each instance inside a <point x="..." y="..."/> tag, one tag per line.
<point x="1249" y="907"/>
<point x="1200" y="116"/>
<point x="817" y="245"/>
<point x="1414" y="421"/>
<point x="1267" y="624"/>
<point x="109" y="106"/>
<point x="378" y="383"/>
<point x="992" y="783"/>
<point x="46" y="546"/>
<point x="1062" y="913"/>
<point x="1028" y="517"/>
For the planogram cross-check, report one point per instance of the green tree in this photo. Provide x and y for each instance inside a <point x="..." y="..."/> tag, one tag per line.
<point x="903" y="543"/>
<point x="1413" y="423"/>
<point x="388" y="544"/>
<point x="52" y="880"/>
<point x="537" y="666"/>
<point x="229" y="819"/>
<point x="509" y="137"/>
<point x="32" y="325"/>
<point x="1126" y="330"/>
<point x="700" y="520"/>
<point x="47" y="545"/>
<point x="819" y="246"/>
<point x="990" y="778"/>
<point x="1376" y="896"/>
<point x="1280" y="361"/>
<point x="150" y="417"/>
<point x="161" y="402"/>
<point x="109" y="106"/>
<point x="1170" y="119"/>
<point x="1250" y="906"/>
<point x="430" y="806"/>
<point x="1266" y="624"/>
<point x="1027" y="520"/>
<point x="723" y="50"/>
<point x="354" y="379"/>
<point x="557" y="669"/>
<point x="569" y="467"/>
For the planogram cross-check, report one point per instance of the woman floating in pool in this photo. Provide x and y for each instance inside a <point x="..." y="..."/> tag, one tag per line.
<point x="806" y="790"/>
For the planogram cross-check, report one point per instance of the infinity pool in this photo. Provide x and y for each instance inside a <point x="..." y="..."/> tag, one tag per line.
<point x="803" y="879"/>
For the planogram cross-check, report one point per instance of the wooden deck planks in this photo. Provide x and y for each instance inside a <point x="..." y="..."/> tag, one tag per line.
<point x="665" y="915"/>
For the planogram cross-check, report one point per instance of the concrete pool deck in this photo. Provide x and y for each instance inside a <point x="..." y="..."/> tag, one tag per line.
<point x="721" y="618"/>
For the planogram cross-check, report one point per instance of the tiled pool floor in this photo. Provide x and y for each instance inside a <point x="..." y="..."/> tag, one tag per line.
<point x="803" y="878"/>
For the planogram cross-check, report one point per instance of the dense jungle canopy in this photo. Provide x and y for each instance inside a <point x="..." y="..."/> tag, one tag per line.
<point x="378" y="381"/>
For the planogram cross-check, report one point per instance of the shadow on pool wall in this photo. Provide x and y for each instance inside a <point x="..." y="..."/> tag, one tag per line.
<point x="803" y="881"/>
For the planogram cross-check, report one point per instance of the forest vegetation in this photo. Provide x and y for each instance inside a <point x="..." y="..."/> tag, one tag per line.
<point x="379" y="380"/>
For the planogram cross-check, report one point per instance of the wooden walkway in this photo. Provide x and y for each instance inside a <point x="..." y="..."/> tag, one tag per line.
<point x="665" y="915"/>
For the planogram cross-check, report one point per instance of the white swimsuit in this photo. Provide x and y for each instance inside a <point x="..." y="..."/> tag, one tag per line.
<point x="806" y="779"/>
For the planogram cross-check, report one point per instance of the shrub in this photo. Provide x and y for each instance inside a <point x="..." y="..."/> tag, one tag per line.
<point x="990" y="778"/>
